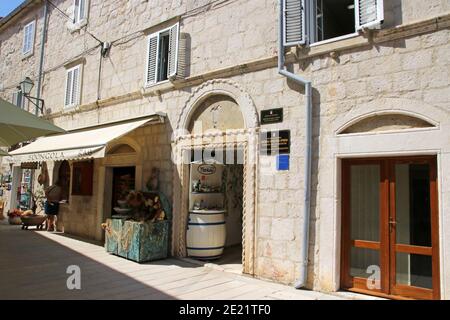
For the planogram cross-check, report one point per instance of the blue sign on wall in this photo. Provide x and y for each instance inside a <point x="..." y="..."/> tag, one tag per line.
<point x="283" y="162"/>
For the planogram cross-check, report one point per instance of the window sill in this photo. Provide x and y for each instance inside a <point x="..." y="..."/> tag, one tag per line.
<point x="70" y="109"/>
<point x="157" y="88"/>
<point x="336" y="39"/>
<point x="74" y="27"/>
<point x="336" y="44"/>
<point x="27" y="55"/>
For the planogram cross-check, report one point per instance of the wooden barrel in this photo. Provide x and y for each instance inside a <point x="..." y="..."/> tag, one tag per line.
<point x="206" y="235"/>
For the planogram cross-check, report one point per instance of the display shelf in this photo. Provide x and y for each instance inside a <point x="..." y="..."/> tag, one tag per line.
<point x="206" y="231"/>
<point x="207" y="211"/>
<point x="199" y="193"/>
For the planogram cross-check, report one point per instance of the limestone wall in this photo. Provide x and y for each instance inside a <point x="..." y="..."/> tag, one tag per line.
<point x="414" y="70"/>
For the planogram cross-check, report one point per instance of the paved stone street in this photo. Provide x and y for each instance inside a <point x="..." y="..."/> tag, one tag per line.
<point x="33" y="265"/>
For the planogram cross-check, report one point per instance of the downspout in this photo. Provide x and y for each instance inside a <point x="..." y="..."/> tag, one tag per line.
<point x="301" y="282"/>
<point x="41" y="58"/>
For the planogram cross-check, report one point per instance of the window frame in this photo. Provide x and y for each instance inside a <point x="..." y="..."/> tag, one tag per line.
<point x="311" y="17"/>
<point x="77" y="21"/>
<point x="82" y="178"/>
<point x="158" y="34"/>
<point x="30" y="50"/>
<point x="15" y="98"/>
<point x="77" y="99"/>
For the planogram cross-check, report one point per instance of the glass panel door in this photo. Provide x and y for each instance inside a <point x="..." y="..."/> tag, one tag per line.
<point x="411" y="225"/>
<point x="390" y="227"/>
<point x="363" y="191"/>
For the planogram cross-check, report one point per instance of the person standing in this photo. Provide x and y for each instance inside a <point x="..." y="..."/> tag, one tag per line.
<point x="51" y="206"/>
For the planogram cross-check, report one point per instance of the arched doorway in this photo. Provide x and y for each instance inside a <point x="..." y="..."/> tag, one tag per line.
<point x="219" y="120"/>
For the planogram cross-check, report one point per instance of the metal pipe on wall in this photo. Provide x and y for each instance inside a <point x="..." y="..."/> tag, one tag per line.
<point x="41" y="58"/>
<point x="301" y="282"/>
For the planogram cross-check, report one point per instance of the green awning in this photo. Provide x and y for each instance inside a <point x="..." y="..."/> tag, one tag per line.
<point x="17" y="125"/>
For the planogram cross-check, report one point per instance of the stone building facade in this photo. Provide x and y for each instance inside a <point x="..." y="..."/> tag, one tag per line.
<point x="381" y="93"/>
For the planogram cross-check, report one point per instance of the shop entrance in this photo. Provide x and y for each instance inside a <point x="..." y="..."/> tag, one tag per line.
<point x="215" y="219"/>
<point x="390" y="234"/>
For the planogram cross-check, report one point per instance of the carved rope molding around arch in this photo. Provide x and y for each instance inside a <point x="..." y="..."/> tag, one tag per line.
<point x="216" y="87"/>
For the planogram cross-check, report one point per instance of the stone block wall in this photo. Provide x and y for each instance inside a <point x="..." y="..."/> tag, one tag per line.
<point x="226" y="34"/>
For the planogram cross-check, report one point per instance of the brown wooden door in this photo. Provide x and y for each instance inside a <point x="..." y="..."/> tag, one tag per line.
<point x="390" y="227"/>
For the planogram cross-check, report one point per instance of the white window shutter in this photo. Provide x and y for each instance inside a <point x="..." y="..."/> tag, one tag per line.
<point x="76" y="86"/>
<point x="67" y="100"/>
<point x="76" y="10"/>
<point x="369" y="13"/>
<point x="82" y="9"/>
<point x="28" y="38"/>
<point x="294" y="32"/>
<point x="152" y="59"/>
<point x="173" y="50"/>
<point x="14" y="98"/>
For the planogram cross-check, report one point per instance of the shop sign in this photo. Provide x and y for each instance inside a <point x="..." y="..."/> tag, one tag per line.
<point x="272" y="116"/>
<point x="29" y="165"/>
<point x="207" y="169"/>
<point x="55" y="155"/>
<point x="275" y="142"/>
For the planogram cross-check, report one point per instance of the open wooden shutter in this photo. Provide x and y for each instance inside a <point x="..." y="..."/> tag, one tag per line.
<point x="73" y="87"/>
<point x="369" y="13"/>
<point x="173" y="50"/>
<point x="152" y="59"/>
<point x="67" y="99"/>
<point x="294" y="32"/>
<point x="76" y="86"/>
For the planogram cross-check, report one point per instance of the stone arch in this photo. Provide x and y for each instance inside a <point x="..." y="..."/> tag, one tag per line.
<point x="130" y="142"/>
<point x="385" y="121"/>
<point x="219" y="87"/>
<point x="416" y="113"/>
<point x="246" y="138"/>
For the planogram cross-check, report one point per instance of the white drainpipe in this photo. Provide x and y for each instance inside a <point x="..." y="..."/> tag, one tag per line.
<point x="301" y="282"/>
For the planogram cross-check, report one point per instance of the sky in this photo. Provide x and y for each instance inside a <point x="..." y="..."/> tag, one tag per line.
<point x="6" y="6"/>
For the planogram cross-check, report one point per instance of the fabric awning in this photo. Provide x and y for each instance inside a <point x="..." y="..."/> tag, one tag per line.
<point x="77" y="145"/>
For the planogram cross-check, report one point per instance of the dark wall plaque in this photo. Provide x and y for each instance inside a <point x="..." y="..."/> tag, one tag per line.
<point x="272" y="116"/>
<point x="275" y="142"/>
<point x="29" y="165"/>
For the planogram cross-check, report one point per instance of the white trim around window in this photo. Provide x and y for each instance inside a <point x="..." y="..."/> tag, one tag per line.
<point x="80" y="12"/>
<point x="28" y="38"/>
<point x="72" y="94"/>
<point x="155" y="54"/>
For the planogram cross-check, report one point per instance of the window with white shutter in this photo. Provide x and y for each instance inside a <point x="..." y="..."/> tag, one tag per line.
<point x="73" y="87"/>
<point x="369" y="13"/>
<point x="313" y="21"/>
<point x="174" y="33"/>
<point x="294" y="22"/>
<point x="28" y="38"/>
<point x="18" y="99"/>
<point x="80" y="11"/>
<point x="162" y="55"/>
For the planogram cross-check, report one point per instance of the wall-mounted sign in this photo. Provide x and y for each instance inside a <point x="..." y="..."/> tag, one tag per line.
<point x="283" y="162"/>
<point x="29" y="165"/>
<point x="275" y="142"/>
<point x="207" y="169"/>
<point x="272" y="116"/>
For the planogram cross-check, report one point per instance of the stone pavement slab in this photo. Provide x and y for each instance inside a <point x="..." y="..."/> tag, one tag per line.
<point x="33" y="265"/>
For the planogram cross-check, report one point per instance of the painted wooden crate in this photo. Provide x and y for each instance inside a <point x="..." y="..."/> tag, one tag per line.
<point x="139" y="241"/>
